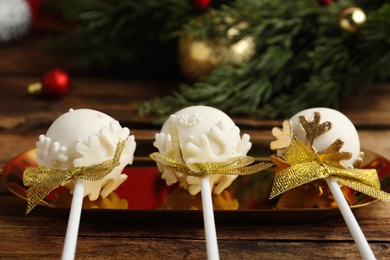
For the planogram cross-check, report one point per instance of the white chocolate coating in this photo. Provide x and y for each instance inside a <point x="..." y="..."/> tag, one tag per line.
<point x="342" y="128"/>
<point x="206" y="135"/>
<point x="86" y="137"/>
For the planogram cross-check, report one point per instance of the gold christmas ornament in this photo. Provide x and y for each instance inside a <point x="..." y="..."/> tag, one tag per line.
<point x="197" y="58"/>
<point x="351" y="18"/>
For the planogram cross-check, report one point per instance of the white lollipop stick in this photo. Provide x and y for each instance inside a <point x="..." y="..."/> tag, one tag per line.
<point x="208" y="219"/>
<point x="72" y="230"/>
<point x="350" y="220"/>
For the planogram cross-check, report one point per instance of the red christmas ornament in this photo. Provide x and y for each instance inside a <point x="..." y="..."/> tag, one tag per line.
<point x="202" y="4"/>
<point x="325" y="2"/>
<point x="55" y="84"/>
<point x="34" y="7"/>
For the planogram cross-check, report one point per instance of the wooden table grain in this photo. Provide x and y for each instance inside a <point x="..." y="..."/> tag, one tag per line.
<point x="40" y="235"/>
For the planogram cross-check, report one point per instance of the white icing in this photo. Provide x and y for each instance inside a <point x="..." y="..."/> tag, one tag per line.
<point x="206" y="135"/>
<point x="342" y="128"/>
<point x="186" y="120"/>
<point x="85" y="137"/>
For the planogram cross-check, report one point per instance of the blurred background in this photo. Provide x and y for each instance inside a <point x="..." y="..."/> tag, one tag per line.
<point x="264" y="58"/>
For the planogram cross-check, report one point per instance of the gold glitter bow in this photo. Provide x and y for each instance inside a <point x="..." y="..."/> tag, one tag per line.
<point x="304" y="166"/>
<point x="43" y="180"/>
<point x="232" y="166"/>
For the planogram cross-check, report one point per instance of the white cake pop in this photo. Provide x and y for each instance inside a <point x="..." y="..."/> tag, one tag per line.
<point x="320" y="131"/>
<point x="341" y="128"/>
<point x="85" y="137"/>
<point x="206" y="135"/>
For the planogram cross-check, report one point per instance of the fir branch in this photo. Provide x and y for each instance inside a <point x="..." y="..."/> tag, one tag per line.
<point x="128" y="34"/>
<point x="303" y="58"/>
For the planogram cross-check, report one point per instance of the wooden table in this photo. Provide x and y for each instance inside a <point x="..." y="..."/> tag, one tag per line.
<point x="40" y="235"/>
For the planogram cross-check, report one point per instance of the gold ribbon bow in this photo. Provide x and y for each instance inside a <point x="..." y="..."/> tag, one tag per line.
<point x="43" y="180"/>
<point x="232" y="166"/>
<point x="306" y="166"/>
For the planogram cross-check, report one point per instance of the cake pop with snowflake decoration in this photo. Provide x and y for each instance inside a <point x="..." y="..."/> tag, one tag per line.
<point x="200" y="147"/>
<point x="86" y="151"/>
<point x="206" y="135"/>
<point x="84" y="137"/>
